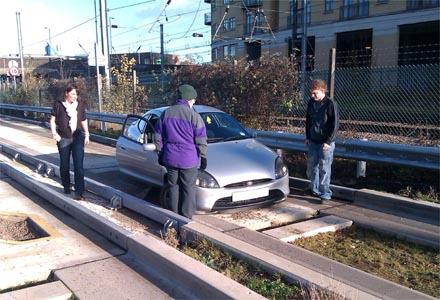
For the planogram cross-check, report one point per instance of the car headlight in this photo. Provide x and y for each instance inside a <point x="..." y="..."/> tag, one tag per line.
<point x="205" y="180"/>
<point x="280" y="168"/>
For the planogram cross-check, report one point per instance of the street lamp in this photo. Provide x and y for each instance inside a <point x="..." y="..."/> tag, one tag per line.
<point x="139" y="54"/>
<point x="50" y="40"/>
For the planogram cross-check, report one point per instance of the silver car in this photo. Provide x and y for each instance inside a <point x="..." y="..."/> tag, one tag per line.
<point x="241" y="171"/>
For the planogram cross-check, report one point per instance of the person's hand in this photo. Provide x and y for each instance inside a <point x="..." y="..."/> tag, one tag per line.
<point x="203" y="163"/>
<point x="56" y="137"/>
<point x="307" y="142"/>
<point x="160" y="158"/>
<point x="326" y="147"/>
<point x="86" y="140"/>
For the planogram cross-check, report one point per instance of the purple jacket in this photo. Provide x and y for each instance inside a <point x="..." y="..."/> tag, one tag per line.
<point x="180" y="135"/>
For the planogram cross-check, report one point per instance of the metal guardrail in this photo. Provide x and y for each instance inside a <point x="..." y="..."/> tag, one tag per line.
<point x="405" y="155"/>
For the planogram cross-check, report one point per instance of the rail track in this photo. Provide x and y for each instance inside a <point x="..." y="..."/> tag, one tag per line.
<point x="254" y="227"/>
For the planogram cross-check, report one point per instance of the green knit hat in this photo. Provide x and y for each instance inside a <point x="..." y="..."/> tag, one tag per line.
<point x="187" y="92"/>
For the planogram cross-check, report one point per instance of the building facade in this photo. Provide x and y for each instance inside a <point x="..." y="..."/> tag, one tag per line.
<point x="364" y="32"/>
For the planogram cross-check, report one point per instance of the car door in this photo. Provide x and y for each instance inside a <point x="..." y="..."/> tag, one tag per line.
<point x="154" y="171"/>
<point x="130" y="151"/>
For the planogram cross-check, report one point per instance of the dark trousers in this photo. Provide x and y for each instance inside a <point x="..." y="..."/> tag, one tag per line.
<point x="74" y="146"/>
<point x="182" y="184"/>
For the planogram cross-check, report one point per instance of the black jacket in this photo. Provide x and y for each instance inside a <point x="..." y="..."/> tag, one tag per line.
<point x="322" y="123"/>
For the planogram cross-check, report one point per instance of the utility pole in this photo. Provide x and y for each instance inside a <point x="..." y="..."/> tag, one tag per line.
<point x="98" y="75"/>
<point x="20" y="46"/>
<point x="294" y="26"/>
<point x="104" y="40"/>
<point x="162" y="58"/>
<point x="303" y="49"/>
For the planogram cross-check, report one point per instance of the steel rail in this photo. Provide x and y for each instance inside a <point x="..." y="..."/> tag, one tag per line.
<point x="397" y="154"/>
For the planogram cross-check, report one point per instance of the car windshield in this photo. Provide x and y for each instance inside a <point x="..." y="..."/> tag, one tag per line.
<point x="223" y="127"/>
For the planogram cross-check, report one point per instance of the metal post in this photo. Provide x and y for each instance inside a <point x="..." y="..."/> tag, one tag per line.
<point x="361" y="166"/>
<point x="162" y="59"/>
<point x="294" y="26"/>
<point x="98" y="86"/>
<point x="304" y="49"/>
<point x="20" y="47"/>
<point x="104" y="35"/>
<point x="331" y="72"/>
<point x="134" y="91"/>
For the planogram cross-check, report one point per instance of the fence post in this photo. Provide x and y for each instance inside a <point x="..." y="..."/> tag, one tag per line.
<point x="361" y="166"/>
<point x="331" y="72"/>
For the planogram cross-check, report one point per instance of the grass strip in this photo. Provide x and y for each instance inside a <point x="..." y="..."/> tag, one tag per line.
<point x="405" y="263"/>
<point x="269" y="286"/>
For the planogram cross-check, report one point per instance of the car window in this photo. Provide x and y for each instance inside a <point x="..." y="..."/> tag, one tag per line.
<point x="221" y="126"/>
<point x="134" y="129"/>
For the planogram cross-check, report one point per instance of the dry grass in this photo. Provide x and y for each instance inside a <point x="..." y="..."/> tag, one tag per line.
<point x="408" y="264"/>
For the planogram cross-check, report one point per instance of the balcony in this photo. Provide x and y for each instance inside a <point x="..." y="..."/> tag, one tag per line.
<point x="421" y="4"/>
<point x="252" y="3"/>
<point x="354" y="11"/>
<point x="207" y="18"/>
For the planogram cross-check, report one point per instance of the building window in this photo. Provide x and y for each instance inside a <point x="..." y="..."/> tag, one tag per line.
<point x="421" y="4"/>
<point x="382" y="1"/>
<point x="329" y="6"/>
<point x="226" y="2"/>
<point x="229" y="50"/>
<point x="350" y="10"/>
<point x="229" y="24"/>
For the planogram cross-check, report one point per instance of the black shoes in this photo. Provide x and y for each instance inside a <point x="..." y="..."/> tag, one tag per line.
<point x="310" y="193"/>
<point x="67" y="191"/>
<point x="78" y="197"/>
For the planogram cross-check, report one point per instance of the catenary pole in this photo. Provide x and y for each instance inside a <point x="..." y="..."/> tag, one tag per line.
<point x="20" y="46"/>
<point x="104" y="41"/>
<point x="304" y="49"/>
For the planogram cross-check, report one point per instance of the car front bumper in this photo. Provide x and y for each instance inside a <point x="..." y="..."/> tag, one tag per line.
<point x="216" y="199"/>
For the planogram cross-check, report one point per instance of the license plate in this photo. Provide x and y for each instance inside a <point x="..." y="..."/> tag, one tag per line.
<point x="252" y="194"/>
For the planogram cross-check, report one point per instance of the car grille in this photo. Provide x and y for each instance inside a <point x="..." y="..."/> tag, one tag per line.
<point x="226" y="203"/>
<point x="248" y="183"/>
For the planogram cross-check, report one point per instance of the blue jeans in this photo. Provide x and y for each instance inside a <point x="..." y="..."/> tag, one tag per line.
<point x="182" y="183"/>
<point x="319" y="169"/>
<point x="74" y="146"/>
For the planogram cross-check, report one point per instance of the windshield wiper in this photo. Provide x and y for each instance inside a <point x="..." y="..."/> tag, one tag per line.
<point x="236" y="137"/>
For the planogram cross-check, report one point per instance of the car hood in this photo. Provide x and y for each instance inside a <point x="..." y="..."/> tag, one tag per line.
<point x="239" y="161"/>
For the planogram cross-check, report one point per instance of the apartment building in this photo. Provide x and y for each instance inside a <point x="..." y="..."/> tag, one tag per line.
<point x="364" y="32"/>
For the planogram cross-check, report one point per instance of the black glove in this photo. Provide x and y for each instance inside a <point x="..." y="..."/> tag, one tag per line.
<point x="203" y="163"/>
<point x="160" y="155"/>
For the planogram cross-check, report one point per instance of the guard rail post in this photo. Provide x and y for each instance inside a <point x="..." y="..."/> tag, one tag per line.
<point x="361" y="166"/>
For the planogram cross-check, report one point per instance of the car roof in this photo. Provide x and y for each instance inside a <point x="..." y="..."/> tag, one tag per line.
<point x="197" y="108"/>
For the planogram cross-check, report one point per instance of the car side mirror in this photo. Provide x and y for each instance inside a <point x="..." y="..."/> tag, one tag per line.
<point x="149" y="147"/>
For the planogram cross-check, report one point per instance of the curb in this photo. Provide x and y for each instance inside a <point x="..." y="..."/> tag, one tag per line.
<point x="240" y="244"/>
<point x="168" y="262"/>
<point x="423" y="209"/>
<point x="151" y="211"/>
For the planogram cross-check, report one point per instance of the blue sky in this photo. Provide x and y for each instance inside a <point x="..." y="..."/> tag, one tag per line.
<point x="138" y="25"/>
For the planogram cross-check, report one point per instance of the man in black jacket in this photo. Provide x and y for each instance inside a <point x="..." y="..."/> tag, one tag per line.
<point x="322" y="122"/>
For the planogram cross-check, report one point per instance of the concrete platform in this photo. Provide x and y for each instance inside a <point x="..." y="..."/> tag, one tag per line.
<point x="309" y="228"/>
<point x="69" y="243"/>
<point x="113" y="278"/>
<point x="55" y="290"/>
<point x="262" y="218"/>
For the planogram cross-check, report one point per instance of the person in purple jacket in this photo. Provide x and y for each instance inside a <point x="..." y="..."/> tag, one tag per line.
<point x="180" y="138"/>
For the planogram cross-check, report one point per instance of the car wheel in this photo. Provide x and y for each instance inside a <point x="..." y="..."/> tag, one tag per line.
<point x="164" y="197"/>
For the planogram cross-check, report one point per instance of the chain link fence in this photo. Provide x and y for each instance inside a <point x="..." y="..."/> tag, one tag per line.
<point x="393" y="104"/>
